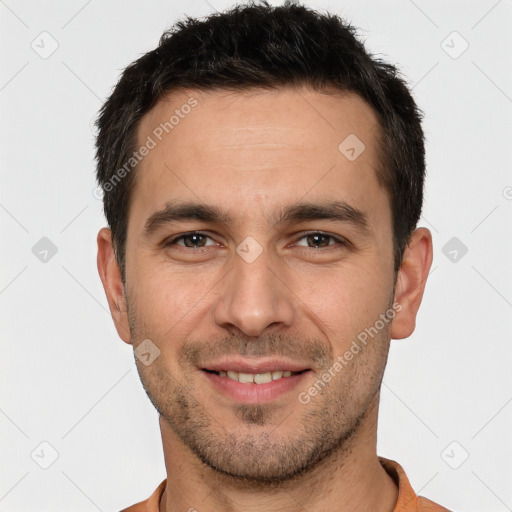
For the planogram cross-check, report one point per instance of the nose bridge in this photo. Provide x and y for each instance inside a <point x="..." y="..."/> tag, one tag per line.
<point x="252" y="298"/>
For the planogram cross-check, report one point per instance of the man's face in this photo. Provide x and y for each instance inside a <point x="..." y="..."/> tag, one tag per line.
<point x="268" y="284"/>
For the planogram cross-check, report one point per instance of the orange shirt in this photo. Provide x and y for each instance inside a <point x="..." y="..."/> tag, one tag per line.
<point x="407" y="499"/>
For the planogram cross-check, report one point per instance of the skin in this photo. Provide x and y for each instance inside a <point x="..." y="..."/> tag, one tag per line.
<point x="251" y="154"/>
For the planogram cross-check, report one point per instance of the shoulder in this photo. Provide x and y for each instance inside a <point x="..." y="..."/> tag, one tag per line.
<point x="407" y="500"/>
<point x="151" y="504"/>
<point x="138" y="507"/>
<point x="426" y="505"/>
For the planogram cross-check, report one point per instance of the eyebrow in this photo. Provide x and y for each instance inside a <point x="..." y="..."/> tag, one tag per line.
<point x="339" y="211"/>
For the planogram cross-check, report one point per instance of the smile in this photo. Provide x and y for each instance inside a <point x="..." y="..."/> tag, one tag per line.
<point x="255" y="388"/>
<point x="254" y="378"/>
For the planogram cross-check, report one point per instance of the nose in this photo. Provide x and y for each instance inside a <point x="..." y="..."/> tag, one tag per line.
<point x="254" y="298"/>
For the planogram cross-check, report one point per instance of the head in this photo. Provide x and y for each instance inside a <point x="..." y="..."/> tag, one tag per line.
<point x="263" y="179"/>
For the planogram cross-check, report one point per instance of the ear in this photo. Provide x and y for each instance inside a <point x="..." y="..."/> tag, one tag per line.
<point x="110" y="275"/>
<point x="411" y="281"/>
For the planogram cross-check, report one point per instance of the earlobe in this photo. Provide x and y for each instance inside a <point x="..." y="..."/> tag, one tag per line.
<point x="110" y="275"/>
<point x="411" y="281"/>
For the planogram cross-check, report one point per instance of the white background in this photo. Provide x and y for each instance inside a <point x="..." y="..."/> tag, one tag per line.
<point x="68" y="380"/>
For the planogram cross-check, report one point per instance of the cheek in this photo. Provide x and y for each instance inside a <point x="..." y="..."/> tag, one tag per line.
<point x="345" y="301"/>
<point x="168" y="301"/>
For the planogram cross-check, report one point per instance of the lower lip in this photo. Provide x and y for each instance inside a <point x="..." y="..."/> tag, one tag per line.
<point x="255" y="393"/>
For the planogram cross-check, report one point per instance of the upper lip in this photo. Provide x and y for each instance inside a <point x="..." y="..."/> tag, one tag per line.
<point x="254" y="365"/>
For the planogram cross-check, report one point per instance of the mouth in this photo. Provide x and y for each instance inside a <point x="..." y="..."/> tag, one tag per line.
<point x="245" y="381"/>
<point x="254" y="378"/>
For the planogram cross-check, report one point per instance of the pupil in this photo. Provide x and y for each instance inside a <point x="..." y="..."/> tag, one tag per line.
<point x="318" y="240"/>
<point x="194" y="240"/>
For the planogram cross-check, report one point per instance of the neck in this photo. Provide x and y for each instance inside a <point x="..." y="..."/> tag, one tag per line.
<point x="350" y="479"/>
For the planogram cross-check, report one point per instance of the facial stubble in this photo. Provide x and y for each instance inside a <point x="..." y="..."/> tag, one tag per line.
<point x="249" y="448"/>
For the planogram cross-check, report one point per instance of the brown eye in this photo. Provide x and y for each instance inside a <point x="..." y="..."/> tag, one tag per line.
<point x="192" y="240"/>
<point x="318" y="240"/>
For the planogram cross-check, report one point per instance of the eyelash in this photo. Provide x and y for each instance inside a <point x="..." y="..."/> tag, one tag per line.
<point x="339" y="241"/>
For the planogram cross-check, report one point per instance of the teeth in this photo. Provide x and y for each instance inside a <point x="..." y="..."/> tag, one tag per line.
<point x="262" y="378"/>
<point x="245" y="378"/>
<point x="255" y="378"/>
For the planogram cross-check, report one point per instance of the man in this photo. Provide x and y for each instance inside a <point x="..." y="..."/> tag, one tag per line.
<point x="262" y="180"/>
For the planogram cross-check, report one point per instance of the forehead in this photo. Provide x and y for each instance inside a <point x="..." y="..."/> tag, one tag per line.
<point x="239" y="149"/>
